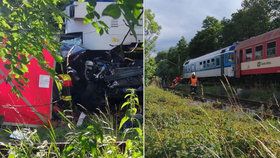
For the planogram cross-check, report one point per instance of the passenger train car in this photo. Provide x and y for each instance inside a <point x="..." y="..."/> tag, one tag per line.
<point x="220" y="62"/>
<point x="259" y="55"/>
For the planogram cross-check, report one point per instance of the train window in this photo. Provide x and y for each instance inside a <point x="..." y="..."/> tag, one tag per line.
<point x="200" y="63"/>
<point x="271" y="49"/>
<point x="208" y="63"/>
<point x="249" y="54"/>
<point x="72" y="11"/>
<point x="212" y="62"/>
<point x="217" y="61"/>
<point x="258" y="53"/>
<point x="231" y="58"/>
<point x="204" y="64"/>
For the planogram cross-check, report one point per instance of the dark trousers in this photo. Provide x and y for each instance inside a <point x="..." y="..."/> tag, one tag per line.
<point x="194" y="89"/>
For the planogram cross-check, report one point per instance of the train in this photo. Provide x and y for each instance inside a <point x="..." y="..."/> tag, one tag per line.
<point x="254" y="58"/>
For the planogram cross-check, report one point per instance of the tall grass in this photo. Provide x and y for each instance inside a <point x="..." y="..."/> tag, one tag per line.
<point x="97" y="138"/>
<point x="175" y="127"/>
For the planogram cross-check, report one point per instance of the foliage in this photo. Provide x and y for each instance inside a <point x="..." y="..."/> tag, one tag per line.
<point x="254" y="18"/>
<point x="208" y="39"/>
<point x="26" y="28"/>
<point x="131" y="10"/>
<point x="97" y="138"/>
<point x="169" y="63"/>
<point x="178" y="127"/>
<point x="152" y="31"/>
<point x="150" y="69"/>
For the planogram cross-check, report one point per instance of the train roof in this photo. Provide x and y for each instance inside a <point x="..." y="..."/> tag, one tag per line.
<point x="210" y="55"/>
<point x="268" y="36"/>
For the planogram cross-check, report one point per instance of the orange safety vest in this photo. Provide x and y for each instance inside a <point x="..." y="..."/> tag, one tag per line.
<point x="194" y="81"/>
<point x="66" y="85"/>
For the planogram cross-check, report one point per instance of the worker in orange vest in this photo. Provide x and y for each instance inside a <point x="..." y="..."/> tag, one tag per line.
<point x="193" y="83"/>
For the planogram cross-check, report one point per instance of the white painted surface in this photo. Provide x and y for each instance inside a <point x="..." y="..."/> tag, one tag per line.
<point x="206" y="73"/>
<point x="229" y="71"/>
<point x="92" y="40"/>
<point x="259" y="64"/>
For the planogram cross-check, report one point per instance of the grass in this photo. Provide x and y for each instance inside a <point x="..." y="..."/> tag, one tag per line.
<point x="175" y="127"/>
<point x="99" y="136"/>
<point x="256" y="93"/>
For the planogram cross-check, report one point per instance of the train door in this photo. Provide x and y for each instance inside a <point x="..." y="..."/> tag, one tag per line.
<point x="238" y="63"/>
<point x="223" y="62"/>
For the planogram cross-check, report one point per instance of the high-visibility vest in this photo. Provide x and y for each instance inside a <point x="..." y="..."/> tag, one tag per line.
<point x="65" y="87"/>
<point x="194" y="81"/>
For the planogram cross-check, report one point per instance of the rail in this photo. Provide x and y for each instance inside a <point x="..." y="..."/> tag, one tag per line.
<point x="246" y="104"/>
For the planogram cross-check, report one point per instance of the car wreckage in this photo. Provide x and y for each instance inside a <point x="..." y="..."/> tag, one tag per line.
<point x="100" y="77"/>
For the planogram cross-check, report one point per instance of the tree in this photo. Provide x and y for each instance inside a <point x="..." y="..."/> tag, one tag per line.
<point x="275" y="13"/>
<point x="254" y="18"/>
<point x="27" y="27"/>
<point x="208" y="39"/>
<point x="152" y="31"/>
<point x="170" y="63"/>
<point x="183" y="53"/>
<point x="130" y="9"/>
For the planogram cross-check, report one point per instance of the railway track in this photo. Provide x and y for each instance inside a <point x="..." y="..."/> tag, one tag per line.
<point x="270" y="109"/>
<point x="249" y="105"/>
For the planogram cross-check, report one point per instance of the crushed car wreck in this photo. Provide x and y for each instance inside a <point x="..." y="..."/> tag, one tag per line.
<point x="100" y="75"/>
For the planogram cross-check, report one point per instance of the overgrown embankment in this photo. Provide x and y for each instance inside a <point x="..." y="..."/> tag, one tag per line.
<point x="175" y="127"/>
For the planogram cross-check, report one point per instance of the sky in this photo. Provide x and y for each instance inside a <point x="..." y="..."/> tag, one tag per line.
<point x="184" y="17"/>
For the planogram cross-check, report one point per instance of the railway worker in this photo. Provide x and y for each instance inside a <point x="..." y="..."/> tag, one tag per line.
<point x="193" y="83"/>
<point x="64" y="87"/>
<point x="176" y="81"/>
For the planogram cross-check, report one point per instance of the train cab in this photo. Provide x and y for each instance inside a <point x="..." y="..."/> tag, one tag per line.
<point x="214" y="64"/>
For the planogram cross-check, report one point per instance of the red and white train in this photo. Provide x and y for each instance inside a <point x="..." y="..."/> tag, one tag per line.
<point x="257" y="56"/>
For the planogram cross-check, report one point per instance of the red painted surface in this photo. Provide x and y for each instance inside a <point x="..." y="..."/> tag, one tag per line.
<point x="261" y="71"/>
<point x="253" y="42"/>
<point x="14" y="109"/>
<point x="257" y="40"/>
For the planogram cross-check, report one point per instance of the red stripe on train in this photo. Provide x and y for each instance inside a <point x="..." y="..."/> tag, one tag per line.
<point x="261" y="71"/>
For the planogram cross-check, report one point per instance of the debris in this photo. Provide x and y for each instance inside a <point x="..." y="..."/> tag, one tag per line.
<point x="20" y="134"/>
<point x="81" y="119"/>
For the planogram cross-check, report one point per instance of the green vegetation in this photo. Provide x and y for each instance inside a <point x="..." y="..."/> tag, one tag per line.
<point x="178" y="127"/>
<point x="27" y="27"/>
<point x="100" y="136"/>
<point x="257" y="93"/>
<point x="152" y="31"/>
<point x="254" y="18"/>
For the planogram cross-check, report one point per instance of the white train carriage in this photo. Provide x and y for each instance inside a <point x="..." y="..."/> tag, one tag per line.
<point x="215" y="64"/>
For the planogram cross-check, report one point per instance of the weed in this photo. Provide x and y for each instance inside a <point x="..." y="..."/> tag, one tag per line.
<point x="175" y="129"/>
<point x="97" y="138"/>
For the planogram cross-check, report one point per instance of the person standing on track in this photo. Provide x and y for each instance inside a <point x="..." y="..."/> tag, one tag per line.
<point x="193" y="83"/>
